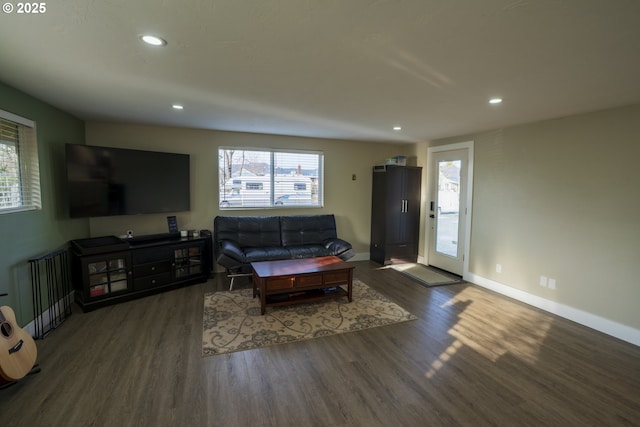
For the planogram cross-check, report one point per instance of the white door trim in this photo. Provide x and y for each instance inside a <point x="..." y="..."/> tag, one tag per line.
<point x="467" y="234"/>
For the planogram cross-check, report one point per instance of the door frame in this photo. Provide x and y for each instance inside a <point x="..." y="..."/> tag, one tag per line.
<point x="468" y="145"/>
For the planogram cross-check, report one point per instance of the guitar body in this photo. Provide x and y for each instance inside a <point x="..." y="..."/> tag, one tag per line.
<point x="18" y="351"/>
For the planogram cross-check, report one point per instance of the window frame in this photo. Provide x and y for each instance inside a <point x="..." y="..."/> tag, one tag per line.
<point x="312" y="196"/>
<point x="28" y="163"/>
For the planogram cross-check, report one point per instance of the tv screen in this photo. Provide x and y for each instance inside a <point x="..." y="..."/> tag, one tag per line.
<point x="105" y="181"/>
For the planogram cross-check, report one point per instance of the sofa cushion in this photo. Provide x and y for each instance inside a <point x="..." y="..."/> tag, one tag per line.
<point x="308" y="251"/>
<point x="300" y="230"/>
<point x="248" y="231"/>
<point x="268" y="253"/>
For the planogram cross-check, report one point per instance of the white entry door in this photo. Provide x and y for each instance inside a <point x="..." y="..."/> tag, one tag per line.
<point x="448" y="186"/>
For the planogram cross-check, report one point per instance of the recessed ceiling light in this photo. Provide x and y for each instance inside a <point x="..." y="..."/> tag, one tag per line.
<point x="177" y="107"/>
<point x="495" y="100"/>
<point x="153" y="40"/>
<point x="397" y="128"/>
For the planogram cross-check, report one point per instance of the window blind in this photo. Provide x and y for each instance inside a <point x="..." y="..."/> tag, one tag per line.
<point x="19" y="165"/>
<point x="254" y="178"/>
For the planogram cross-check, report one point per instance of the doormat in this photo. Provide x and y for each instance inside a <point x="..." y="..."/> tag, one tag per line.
<point x="427" y="275"/>
<point x="232" y="320"/>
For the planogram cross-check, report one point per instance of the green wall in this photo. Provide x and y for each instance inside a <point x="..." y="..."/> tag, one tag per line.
<point x="25" y="235"/>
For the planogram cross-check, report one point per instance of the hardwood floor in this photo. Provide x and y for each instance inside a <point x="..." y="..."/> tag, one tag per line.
<point x="472" y="358"/>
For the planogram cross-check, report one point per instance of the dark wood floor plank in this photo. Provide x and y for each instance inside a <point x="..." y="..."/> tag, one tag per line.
<point x="472" y="358"/>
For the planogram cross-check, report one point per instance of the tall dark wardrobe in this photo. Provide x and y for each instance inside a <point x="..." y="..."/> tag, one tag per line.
<point x="395" y="214"/>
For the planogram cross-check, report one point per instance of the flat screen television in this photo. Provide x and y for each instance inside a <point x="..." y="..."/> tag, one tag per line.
<point x="104" y="181"/>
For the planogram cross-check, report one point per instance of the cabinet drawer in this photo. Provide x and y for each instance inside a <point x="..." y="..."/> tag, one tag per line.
<point x="280" y="283"/>
<point x="151" y="255"/>
<point x="151" y="269"/>
<point x="336" y="277"/>
<point x="309" y="280"/>
<point x="149" y="282"/>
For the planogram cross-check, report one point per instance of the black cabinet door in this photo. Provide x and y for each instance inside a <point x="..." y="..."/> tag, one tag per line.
<point x="403" y="217"/>
<point x="105" y="275"/>
<point x="412" y="186"/>
<point x="188" y="260"/>
<point x="396" y="221"/>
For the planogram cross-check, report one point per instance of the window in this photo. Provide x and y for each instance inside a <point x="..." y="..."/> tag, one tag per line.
<point x="251" y="178"/>
<point x="255" y="186"/>
<point x="19" y="168"/>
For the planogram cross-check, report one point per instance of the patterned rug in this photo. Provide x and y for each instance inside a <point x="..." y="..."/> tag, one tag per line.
<point x="232" y="320"/>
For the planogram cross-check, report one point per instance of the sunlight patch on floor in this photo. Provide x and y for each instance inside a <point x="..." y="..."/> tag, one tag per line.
<point x="443" y="358"/>
<point x="401" y="267"/>
<point x="504" y="328"/>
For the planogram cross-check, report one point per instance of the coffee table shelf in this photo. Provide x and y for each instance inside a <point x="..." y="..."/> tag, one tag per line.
<point x="307" y="296"/>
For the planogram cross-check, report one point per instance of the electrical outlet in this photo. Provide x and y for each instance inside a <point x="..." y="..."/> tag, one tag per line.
<point x="498" y="268"/>
<point x="552" y="284"/>
<point x="543" y="281"/>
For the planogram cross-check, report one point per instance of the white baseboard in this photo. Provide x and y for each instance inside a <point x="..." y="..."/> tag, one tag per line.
<point x="601" y="324"/>
<point x="47" y="317"/>
<point x="360" y="257"/>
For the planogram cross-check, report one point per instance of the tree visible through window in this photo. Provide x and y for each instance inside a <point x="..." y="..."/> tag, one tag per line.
<point x="262" y="179"/>
<point x="9" y="175"/>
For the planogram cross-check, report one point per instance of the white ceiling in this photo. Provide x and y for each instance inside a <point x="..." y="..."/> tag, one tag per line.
<point x="347" y="69"/>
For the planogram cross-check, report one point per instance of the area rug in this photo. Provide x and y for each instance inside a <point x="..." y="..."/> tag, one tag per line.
<point x="426" y="275"/>
<point x="232" y="320"/>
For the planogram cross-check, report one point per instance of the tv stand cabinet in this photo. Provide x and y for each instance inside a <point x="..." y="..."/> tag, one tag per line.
<point x="109" y="270"/>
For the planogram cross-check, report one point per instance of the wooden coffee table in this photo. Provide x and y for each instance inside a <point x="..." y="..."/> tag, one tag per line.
<point x="292" y="281"/>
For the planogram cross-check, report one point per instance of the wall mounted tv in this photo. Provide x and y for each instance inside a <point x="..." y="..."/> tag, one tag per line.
<point x="105" y="181"/>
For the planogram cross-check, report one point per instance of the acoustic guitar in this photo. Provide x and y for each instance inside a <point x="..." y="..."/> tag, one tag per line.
<point x="18" y="351"/>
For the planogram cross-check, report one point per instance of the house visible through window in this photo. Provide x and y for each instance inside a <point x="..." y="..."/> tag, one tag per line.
<point x="19" y="167"/>
<point x="251" y="178"/>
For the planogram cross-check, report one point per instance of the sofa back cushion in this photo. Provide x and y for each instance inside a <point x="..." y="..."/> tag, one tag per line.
<point x="248" y="231"/>
<point x="307" y="229"/>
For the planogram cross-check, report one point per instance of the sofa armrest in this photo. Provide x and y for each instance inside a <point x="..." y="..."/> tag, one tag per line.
<point x="340" y="248"/>
<point x="231" y="250"/>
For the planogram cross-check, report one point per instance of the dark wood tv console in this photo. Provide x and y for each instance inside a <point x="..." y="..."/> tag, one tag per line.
<point x="109" y="270"/>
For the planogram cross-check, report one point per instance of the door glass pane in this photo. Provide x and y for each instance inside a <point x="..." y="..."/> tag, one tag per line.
<point x="97" y="267"/>
<point x="94" y="291"/>
<point x="116" y="264"/>
<point x="120" y="285"/>
<point x="447" y="216"/>
<point x="96" y="279"/>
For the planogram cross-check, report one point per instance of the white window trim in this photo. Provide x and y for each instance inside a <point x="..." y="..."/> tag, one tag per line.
<point x="17" y="119"/>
